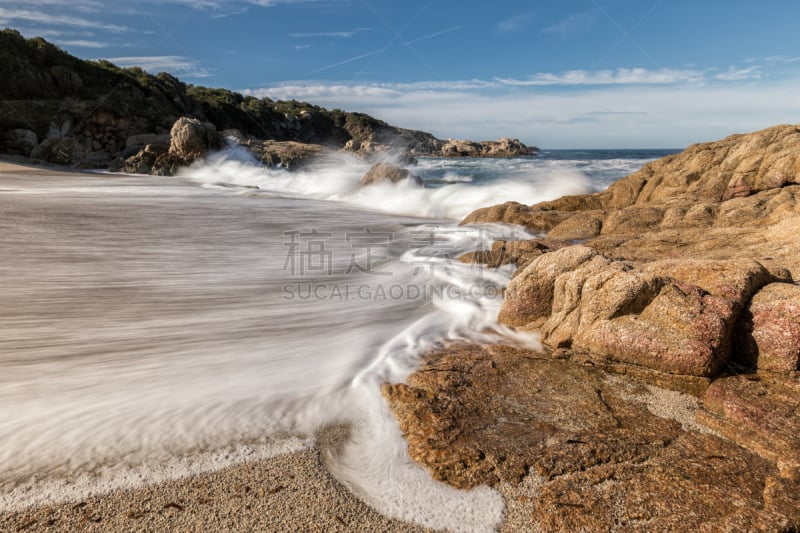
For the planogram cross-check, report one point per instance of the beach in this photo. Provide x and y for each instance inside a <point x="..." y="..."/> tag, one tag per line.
<point x="158" y="377"/>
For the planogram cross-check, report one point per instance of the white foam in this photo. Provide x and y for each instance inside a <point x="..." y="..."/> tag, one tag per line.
<point x="338" y="179"/>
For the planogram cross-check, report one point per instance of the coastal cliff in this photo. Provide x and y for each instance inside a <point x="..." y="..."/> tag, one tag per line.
<point x="92" y="114"/>
<point x="667" y="390"/>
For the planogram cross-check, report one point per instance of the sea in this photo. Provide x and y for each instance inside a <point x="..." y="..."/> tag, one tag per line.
<point x="155" y="327"/>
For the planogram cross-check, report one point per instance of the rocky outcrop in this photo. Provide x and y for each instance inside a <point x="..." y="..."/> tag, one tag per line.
<point x="386" y="173"/>
<point x="164" y="155"/>
<point x="683" y="280"/>
<point x="574" y="449"/>
<point x="504" y="147"/>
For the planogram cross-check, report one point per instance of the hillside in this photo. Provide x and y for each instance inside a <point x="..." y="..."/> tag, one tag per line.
<point x="97" y="107"/>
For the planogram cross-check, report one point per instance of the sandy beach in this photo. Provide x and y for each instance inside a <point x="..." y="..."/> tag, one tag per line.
<point x="292" y="492"/>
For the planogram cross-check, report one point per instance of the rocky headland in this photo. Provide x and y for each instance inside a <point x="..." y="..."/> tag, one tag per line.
<point x="666" y="395"/>
<point x="62" y="110"/>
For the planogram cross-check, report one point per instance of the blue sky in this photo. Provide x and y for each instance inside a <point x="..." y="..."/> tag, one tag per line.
<point x="557" y="74"/>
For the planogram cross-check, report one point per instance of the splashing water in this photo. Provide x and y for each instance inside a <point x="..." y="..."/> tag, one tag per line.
<point x="337" y="178"/>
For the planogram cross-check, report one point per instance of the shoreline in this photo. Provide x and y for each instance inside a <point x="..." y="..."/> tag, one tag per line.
<point x="286" y="492"/>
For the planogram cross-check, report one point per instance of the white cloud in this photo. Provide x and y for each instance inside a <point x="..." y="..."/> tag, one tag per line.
<point x="572" y="25"/>
<point x="82" y="43"/>
<point x="739" y="74"/>
<point x="782" y="59"/>
<point x="335" y="34"/>
<point x="235" y="5"/>
<point x="178" y="65"/>
<point x="12" y="16"/>
<point x="515" y="23"/>
<point x="621" y="76"/>
<point x="591" y="116"/>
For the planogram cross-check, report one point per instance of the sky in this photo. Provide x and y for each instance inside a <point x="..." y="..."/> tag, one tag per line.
<point x="555" y="74"/>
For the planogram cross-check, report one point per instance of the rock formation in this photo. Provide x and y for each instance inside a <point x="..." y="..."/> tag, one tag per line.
<point x="667" y="393"/>
<point x="386" y="173"/>
<point x="504" y="147"/>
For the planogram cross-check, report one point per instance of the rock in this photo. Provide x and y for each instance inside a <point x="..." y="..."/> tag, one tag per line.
<point x="504" y="147"/>
<point x="56" y="150"/>
<point x="485" y="414"/>
<point x="768" y="333"/>
<point x="384" y="172"/>
<point x="759" y="413"/>
<point x="20" y="142"/>
<point x="574" y="450"/>
<point x="289" y="155"/>
<point x="502" y="253"/>
<point x="676" y="317"/>
<point x="144" y="161"/>
<point x="517" y="213"/>
<point x="529" y="296"/>
<point x="694" y="483"/>
<point x="190" y="139"/>
<point x="578" y="227"/>
<point x="135" y="143"/>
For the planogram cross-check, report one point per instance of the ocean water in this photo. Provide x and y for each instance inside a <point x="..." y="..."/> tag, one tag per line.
<point x="233" y="311"/>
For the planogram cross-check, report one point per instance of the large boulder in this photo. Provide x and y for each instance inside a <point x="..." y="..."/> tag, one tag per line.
<point x="676" y="317"/>
<point x="529" y="296"/>
<point x="386" y="173"/>
<point x="190" y="139"/>
<point x="768" y="335"/>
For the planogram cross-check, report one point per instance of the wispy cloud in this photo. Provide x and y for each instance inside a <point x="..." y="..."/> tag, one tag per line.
<point x="82" y="5"/>
<point x="740" y="74"/>
<point x="621" y="76"/>
<point x="12" y="16"/>
<point x="82" y="43"/>
<point x="334" y="34"/>
<point x="782" y="59"/>
<point x="572" y="25"/>
<point x="178" y="65"/>
<point x="233" y="5"/>
<point x="515" y="23"/>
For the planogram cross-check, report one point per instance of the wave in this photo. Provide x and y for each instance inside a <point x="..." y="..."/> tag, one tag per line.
<point x="337" y="178"/>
